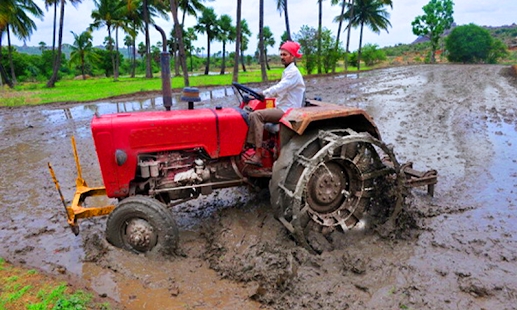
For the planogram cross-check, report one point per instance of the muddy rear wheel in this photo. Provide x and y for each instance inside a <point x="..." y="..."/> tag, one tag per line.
<point x="142" y="224"/>
<point x="326" y="180"/>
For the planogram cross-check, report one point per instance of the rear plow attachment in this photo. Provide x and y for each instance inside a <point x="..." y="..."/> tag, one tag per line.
<point x="415" y="178"/>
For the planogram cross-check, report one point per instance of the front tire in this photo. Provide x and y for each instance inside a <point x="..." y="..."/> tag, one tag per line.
<point x="142" y="224"/>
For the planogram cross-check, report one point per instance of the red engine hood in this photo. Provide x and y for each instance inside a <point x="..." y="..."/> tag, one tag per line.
<point x="220" y="132"/>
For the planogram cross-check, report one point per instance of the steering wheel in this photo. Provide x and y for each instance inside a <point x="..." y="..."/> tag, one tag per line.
<point x="244" y="90"/>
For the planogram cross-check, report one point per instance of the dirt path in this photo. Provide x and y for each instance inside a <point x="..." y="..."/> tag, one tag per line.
<point x="460" y="253"/>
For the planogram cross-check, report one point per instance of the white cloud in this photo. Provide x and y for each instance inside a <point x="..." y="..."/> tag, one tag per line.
<point x="301" y="12"/>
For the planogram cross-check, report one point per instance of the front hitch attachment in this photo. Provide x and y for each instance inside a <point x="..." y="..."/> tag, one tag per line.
<point x="69" y="217"/>
<point x="76" y="210"/>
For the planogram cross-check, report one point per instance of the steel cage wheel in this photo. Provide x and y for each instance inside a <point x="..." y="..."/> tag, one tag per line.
<point x="142" y="224"/>
<point x="325" y="187"/>
<point x="327" y="177"/>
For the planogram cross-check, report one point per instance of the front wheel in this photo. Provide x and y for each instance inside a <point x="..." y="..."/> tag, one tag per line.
<point x="142" y="224"/>
<point x="327" y="180"/>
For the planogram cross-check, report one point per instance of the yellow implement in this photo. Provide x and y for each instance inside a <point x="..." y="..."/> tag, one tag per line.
<point x="76" y="210"/>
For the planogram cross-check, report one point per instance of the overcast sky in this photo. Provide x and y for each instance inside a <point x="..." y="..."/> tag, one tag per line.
<point x="301" y="12"/>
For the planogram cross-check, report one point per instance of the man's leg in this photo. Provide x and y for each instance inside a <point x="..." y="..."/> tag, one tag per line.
<point x="257" y="120"/>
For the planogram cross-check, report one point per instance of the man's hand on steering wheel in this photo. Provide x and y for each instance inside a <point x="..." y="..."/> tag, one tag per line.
<point x="246" y="90"/>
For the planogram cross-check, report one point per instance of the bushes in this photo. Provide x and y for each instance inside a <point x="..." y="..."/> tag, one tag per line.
<point x="371" y="54"/>
<point x="403" y="49"/>
<point x="473" y="44"/>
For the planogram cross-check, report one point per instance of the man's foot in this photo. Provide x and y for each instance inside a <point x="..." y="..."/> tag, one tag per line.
<point x="255" y="160"/>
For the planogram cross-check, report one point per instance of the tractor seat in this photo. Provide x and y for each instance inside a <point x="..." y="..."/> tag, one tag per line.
<point x="273" y="128"/>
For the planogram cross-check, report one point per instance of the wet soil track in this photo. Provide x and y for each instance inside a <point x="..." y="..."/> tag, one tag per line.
<point x="454" y="251"/>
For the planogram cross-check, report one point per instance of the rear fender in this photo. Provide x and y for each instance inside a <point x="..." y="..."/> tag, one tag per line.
<point x="324" y="115"/>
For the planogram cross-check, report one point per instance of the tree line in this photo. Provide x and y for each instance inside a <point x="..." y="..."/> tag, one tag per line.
<point x="322" y="50"/>
<point x="132" y="17"/>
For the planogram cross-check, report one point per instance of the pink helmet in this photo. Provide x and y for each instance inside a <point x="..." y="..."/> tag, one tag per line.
<point x="292" y="47"/>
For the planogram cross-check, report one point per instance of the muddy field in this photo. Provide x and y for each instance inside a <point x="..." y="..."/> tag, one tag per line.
<point x="458" y="249"/>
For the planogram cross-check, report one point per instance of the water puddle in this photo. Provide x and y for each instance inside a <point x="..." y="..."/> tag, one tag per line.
<point x="347" y="76"/>
<point x="498" y="198"/>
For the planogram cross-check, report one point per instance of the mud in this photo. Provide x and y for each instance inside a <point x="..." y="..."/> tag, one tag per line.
<point x="457" y="250"/>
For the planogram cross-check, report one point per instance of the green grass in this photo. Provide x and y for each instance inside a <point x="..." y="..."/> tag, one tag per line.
<point x="28" y="289"/>
<point x="17" y="294"/>
<point x="12" y="279"/>
<point x="101" y="88"/>
<point x="59" y="299"/>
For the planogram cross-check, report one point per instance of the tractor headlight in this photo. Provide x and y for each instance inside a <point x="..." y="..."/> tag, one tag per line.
<point x="120" y="157"/>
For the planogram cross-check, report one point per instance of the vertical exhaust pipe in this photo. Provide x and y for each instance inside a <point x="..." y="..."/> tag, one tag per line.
<point x="166" y="71"/>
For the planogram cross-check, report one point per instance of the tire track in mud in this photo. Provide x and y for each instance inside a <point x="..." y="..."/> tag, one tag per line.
<point x="461" y="111"/>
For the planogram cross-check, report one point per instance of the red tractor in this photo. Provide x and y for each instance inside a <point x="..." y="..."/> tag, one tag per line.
<point x="325" y="164"/>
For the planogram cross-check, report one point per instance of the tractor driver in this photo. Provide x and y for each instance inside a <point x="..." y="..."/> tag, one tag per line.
<point x="289" y="92"/>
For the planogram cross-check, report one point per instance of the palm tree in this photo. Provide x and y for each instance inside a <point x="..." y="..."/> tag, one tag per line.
<point x="82" y="51"/>
<point x="141" y="49"/>
<point x="57" y="59"/>
<point x="53" y="3"/>
<point x="207" y="23"/>
<point x="347" y="49"/>
<point x="148" y="68"/>
<point x="189" y="37"/>
<point x="320" y="18"/>
<point x="281" y="6"/>
<point x="269" y="40"/>
<point x="338" y="19"/>
<point x="128" y="43"/>
<point x="226" y="34"/>
<point x="387" y="2"/>
<point x="151" y="8"/>
<point x="262" y="57"/>
<point x="121" y="22"/>
<point x="133" y="12"/>
<point x="244" y="40"/>
<point x="14" y="16"/>
<point x="235" y="77"/>
<point x="350" y="13"/>
<point x="179" y="39"/>
<point x="108" y="13"/>
<point x="42" y="46"/>
<point x="370" y="13"/>
<point x="173" y="48"/>
<point x="190" y="7"/>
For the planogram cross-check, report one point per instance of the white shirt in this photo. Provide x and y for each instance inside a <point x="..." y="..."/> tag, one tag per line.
<point x="290" y="90"/>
